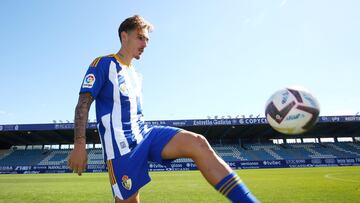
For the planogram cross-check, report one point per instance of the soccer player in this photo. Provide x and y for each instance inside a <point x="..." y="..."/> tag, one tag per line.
<point x="127" y="143"/>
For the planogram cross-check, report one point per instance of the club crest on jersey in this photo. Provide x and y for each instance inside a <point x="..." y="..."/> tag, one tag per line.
<point x="122" y="85"/>
<point x="123" y="89"/>
<point x="126" y="182"/>
<point x="89" y="81"/>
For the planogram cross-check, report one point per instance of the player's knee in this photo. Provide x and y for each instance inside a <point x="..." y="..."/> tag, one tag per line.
<point x="201" y="141"/>
<point x="202" y="146"/>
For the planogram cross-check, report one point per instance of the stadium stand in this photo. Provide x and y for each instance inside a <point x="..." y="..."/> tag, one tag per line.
<point x="23" y="157"/>
<point x="242" y="142"/>
<point x="343" y="150"/>
<point x="230" y="153"/>
<point x="95" y="156"/>
<point x="248" y="152"/>
<point x="55" y="157"/>
<point x="4" y="153"/>
<point x="311" y="150"/>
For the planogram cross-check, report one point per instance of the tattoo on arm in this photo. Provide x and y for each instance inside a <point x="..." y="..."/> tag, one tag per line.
<point x="81" y="117"/>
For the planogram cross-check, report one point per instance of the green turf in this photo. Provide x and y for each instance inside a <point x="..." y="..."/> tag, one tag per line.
<point x="333" y="184"/>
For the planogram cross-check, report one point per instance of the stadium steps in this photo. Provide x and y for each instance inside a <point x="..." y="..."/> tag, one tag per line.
<point x="288" y="152"/>
<point x="310" y="150"/>
<point x="59" y="157"/>
<point x="316" y="154"/>
<point x="273" y="154"/>
<point x="4" y="153"/>
<point x="56" y="157"/>
<point x="259" y="155"/>
<point x="23" y="157"/>
<point x="229" y="153"/>
<point x="254" y="156"/>
<point x="266" y="151"/>
<point x="95" y="156"/>
<point x="294" y="154"/>
<point x="355" y="146"/>
<point x="239" y="154"/>
<point x="334" y="146"/>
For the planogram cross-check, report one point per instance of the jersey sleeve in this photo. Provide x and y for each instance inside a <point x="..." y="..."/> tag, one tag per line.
<point x="94" y="78"/>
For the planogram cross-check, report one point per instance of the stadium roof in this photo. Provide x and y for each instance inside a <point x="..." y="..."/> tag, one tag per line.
<point x="227" y="130"/>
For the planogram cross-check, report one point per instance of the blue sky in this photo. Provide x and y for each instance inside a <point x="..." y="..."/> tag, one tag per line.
<point x="204" y="58"/>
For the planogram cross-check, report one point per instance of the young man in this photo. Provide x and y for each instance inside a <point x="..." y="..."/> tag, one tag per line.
<point x="128" y="144"/>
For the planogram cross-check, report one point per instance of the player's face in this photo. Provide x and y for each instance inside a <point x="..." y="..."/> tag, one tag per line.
<point x="137" y="41"/>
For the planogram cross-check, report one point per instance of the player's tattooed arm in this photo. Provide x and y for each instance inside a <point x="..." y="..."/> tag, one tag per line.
<point x="81" y="117"/>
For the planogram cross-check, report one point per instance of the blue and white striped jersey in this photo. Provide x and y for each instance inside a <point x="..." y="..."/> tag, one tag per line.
<point x="116" y="89"/>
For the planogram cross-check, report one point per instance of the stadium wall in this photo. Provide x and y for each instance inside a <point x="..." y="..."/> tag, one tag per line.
<point x="186" y="166"/>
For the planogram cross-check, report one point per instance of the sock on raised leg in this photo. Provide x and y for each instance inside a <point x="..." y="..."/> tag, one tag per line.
<point x="233" y="188"/>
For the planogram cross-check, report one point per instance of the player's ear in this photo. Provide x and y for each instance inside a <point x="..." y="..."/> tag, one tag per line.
<point x="124" y="36"/>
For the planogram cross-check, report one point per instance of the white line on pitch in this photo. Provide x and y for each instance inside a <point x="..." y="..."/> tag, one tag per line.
<point x="330" y="176"/>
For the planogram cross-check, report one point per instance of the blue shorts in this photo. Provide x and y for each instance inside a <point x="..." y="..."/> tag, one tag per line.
<point x="129" y="173"/>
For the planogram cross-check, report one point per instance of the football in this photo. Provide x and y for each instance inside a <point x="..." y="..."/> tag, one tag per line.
<point x="292" y="111"/>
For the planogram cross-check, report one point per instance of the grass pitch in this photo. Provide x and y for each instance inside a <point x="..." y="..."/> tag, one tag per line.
<point x="333" y="184"/>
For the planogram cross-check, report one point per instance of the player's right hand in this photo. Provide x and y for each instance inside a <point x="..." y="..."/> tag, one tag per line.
<point x="77" y="160"/>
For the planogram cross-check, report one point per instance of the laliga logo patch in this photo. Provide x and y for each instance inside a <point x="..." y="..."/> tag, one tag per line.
<point x="89" y="81"/>
<point x="126" y="182"/>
